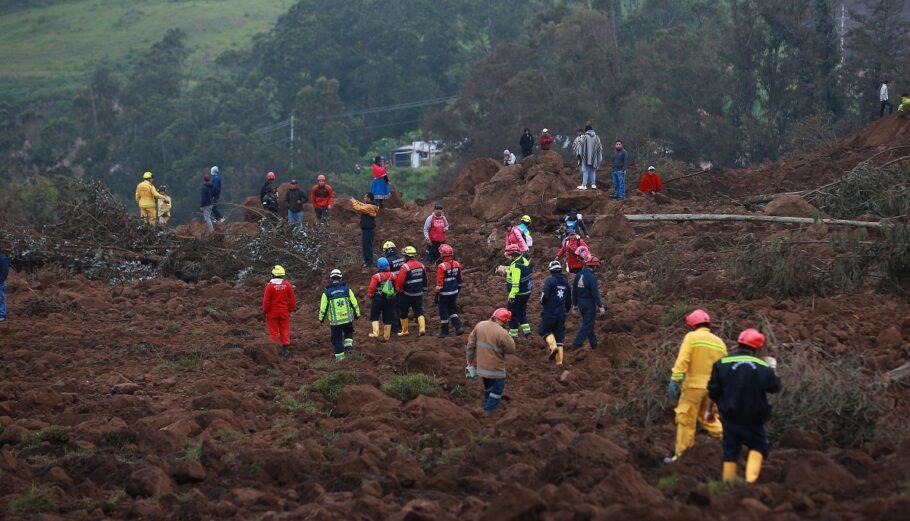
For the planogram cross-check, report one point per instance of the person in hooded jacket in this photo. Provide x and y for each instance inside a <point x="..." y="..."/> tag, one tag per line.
<point x="216" y="193"/>
<point x="527" y="143"/>
<point x="207" y="201"/>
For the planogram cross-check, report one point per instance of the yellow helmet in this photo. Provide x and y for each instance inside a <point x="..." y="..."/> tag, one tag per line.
<point x="526" y="219"/>
<point x="147" y="175"/>
<point x="278" y="271"/>
<point x="388" y="245"/>
<point x="410" y="251"/>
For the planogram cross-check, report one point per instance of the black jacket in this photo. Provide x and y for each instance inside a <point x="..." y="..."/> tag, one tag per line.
<point x="294" y="198"/>
<point x="265" y="189"/>
<point x="740" y="384"/>
<point x="527" y="144"/>
<point x="367" y="222"/>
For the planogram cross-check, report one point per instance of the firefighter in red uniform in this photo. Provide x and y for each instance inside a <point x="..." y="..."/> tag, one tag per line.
<point x="277" y="303"/>
<point x="448" y="285"/>
<point x="411" y="282"/>
<point x="382" y="294"/>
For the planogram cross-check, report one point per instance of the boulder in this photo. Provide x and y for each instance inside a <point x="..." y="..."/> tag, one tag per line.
<point x="441" y="414"/>
<point x="149" y="481"/>
<point x="816" y="472"/>
<point x="188" y="471"/>
<point x="495" y="199"/>
<point x="514" y="502"/>
<point x="890" y="338"/>
<point x="475" y="172"/>
<point x="613" y="226"/>
<point x="429" y="362"/>
<point x="364" y="398"/>
<point x="791" y="206"/>
<point x="578" y="199"/>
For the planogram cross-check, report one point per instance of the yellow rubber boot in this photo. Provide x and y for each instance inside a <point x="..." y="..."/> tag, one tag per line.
<point x="375" y="326"/>
<point x="422" y="325"/>
<point x="560" y="354"/>
<point x="404" y="328"/>
<point x="386" y="333"/>
<point x="551" y="344"/>
<point x="753" y="466"/>
<point x="729" y="471"/>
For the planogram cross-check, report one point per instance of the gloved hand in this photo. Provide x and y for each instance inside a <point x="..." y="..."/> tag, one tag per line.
<point x="772" y="362"/>
<point x="601" y="311"/>
<point x="673" y="390"/>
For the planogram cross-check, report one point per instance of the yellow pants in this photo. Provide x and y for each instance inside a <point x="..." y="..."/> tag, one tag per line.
<point x="147" y="213"/>
<point x="690" y="411"/>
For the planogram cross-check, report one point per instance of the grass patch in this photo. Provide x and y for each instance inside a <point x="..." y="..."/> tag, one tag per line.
<point x="33" y="501"/>
<point x="645" y="401"/>
<point x="226" y="436"/>
<point x="120" y="439"/>
<point x="481" y="439"/>
<point x="116" y="498"/>
<point x="406" y="387"/>
<point x="331" y="384"/>
<point x="142" y="347"/>
<point x="54" y="434"/>
<point x="194" y="452"/>
<point x="281" y="424"/>
<point x="674" y="315"/>
<point x="171" y="329"/>
<point x="460" y="393"/>
<point x="320" y="364"/>
<point x="666" y="482"/>
<point x="453" y="454"/>
<point x="718" y="487"/>
<point x="293" y="404"/>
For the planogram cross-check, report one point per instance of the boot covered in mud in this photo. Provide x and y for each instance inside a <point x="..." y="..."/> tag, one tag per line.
<point x="404" y="328"/>
<point x="375" y="329"/>
<point x="422" y="325"/>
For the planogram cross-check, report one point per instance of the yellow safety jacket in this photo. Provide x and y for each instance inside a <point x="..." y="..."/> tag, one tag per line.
<point x="146" y="194"/>
<point x="697" y="354"/>
<point x="164" y="207"/>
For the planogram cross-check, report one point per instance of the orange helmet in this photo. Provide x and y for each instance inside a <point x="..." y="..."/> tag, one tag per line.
<point x="512" y="249"/>
<point x="270" y="176"/>
<point x="446" y="251"/>
<point x="699" y="316"/>
<point x="503" y="314"/>
<point x="593" y="261"/>
<point x="751" y="337"/>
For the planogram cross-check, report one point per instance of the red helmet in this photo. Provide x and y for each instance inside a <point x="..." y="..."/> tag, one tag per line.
<point x="699" y="316"/>
<point x="593" y="261"/>
<point x="512" y="249"/>
<point x="503" y="314"/>
<point x="446" y="251"/>
<point x="751" y="337"/>
<point x="320" y="178"/>
<point x="270" y="176"/>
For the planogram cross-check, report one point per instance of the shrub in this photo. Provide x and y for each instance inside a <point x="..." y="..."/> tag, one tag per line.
<point x="409" y="386"/>
<point x="674" y="315"/>
<point x="644" y="404"/>
<point x="331" y="384"/>
<point x="35" y="501"/>
<point x="55" y="434"/>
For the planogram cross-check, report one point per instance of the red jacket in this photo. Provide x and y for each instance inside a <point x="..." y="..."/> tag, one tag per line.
<point x="378" y="171"/>
<point x="514" y="236"/>
<point x="378" y="279"/>
<point x="278" y="300"/>
<point x="325" y="198"/>
<point x="545" y="141"/>
<point x="568" y="249"/>
<point x="650" y="183"/>
<point x="437" y="229"/>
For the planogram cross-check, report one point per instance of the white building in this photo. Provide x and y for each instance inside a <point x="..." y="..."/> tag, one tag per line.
<point x="415" y="155"/>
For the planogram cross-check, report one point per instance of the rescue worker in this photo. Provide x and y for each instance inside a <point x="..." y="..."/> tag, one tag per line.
<point x="270" y="203"/>
<point x="569" y="249"/>
<point x="545" y="140"/>
<point x="164" y="206"/>
<point x="514" y="237"/>
<point x="368" y="212"/>
<point x="905" y="102"/>
<point x="293" y="200"/>
<point x="586" y="297"/>
<point x="740" y="384"/>
<point x="146" y="196"/>
<point x="555" y="304"/>
<point x="323" y="197"/>
<point x="269" y="182"/>
<point x="574" y="221"/>
<point x="448" y="285"/>
<point x="650" y="183"/>
<point x="382" y="300"/>
<point x="411" y="282"/>
<point x="689" y="381"/>
<point x="434" y="234"/>
<point x="278" y="301"/>
<point x="396" y="260"/>
<point x="339" y="304"/>
<point x="518" y="286"/>
<point x="488" y="345"/>
<point x="524" y="228"/>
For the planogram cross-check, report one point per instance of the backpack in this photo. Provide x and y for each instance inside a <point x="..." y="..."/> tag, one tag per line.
<point x="388" y="289"/>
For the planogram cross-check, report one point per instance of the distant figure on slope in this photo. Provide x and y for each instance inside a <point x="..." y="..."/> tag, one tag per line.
<point x="487" y="348"/>
<point x="508" y="158"/>
<point x="411" y="282"/>
<point x="574" y="222"/>
<point x="294" y="198"/>
<point x="883" y="98"/>
<point x="164" y="206"/>
<point x="216" y="193"/>
<point x="207" y="201"/>
<point x="524" y="226"/>
<point x="591" y="157"/>
<point x="586" y="297"/>
<point x="545" y="139"/>
<point x="146" y="196"/>
<point x="650" y="183"/>
<point x="381" y="189"/>
<point x="368" y="212"/>
<point x="434" y="233"/>
<point x="278" y="302"/>
<point x="323" y="198"/>
<point x="569" y="247"/>
<point x="527" y="143"/>
<point x="620" y="167"/>
<point x="269" y="182"/>
<point x="4" y="273"/>
<point x="270" y="202"/>
<point x="339" y="305"/>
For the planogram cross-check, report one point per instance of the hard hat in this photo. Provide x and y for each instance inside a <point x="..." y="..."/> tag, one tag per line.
<point x="512" y="249"/>
<point x="583" y="253"/>
<point x="293" y="181"/>
<point x="545" y="131"/>
<point x="278" y="271"/>
<point x="320" y="178"/>
<point x="147" y="175"/>
<point x="270" y="176"/>
<point x="503" y="314"/>
<point x="593" y="261"/>
<point x="206" y="177"/>
<point x="336" y="274"/>
<point x="388" y="245"/>
<point x="410" y="251"/>
<point x="699" y="316"/>
<point x="505" y="152"/>
<point x="555" y="266"/>
<point x="446" y="251"/>
<point x="651" y="169"/>
<point x="526" y="219"/>
<point x="382" y="263"/>
<point x="751" y="337"/>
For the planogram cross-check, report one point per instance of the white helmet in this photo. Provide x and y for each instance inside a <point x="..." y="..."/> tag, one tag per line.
<point x="336" y="273"/>
<point x="555" y="266"/>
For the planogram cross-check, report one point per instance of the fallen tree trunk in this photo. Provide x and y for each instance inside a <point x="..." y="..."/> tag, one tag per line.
<point x="734" y="217"/>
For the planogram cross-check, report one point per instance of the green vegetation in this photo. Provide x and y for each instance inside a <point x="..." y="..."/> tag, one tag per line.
<point x="331" y="384"/>
<point x="718" y="487"/>
<point x="674" y="315"/>
<point x="406" y="387"/>
<point x="142" y="347"/>
<point x="194" y="452"/>
<point x="34" y="501"/>
<point x="54" y="434"/>
<point x="48" y="52"/>
<point x="666" y="482"/>
<point x="293" y="404"/>
<point x="118" y="440"/>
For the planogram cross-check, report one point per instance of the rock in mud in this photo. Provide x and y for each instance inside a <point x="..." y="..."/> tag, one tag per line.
<point x="791" y="206"/>
<point x="149" y="481"/>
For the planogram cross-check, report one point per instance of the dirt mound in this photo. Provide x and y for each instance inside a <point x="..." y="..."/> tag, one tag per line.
<point x="791" y="206"/>
<point x="475" y="172"/>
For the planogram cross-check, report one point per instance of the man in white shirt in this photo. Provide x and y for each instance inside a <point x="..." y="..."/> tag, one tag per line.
<point x="883" y="97"/>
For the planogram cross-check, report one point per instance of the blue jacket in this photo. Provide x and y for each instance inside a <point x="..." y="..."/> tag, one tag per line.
<point x="4" y="268"/>
<point x="206" y="195"/>
<point x="740" y="384"/>
<point x="216" y="183"/>
<point x="556" y="298"/>
<point x="584" y="289"/>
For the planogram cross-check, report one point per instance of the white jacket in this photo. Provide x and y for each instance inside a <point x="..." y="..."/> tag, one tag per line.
<point x="883" y="93"/>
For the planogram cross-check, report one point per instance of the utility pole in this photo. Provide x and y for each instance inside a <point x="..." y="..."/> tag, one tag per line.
<point x="292" y="141"/>
<point x="843" y="28"/>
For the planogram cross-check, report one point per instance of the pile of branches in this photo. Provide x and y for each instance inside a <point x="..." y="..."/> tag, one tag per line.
<point x="866" y="189"/>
